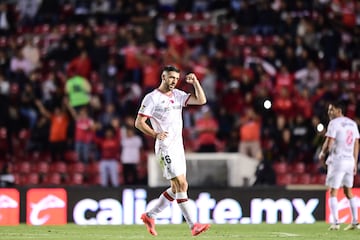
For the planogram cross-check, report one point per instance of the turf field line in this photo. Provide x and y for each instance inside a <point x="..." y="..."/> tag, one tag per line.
<point x="285" y="234"/>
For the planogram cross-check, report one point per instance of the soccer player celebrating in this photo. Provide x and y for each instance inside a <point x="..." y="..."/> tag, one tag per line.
<point x="163" y="106"/>
<point x="342" y="145"/>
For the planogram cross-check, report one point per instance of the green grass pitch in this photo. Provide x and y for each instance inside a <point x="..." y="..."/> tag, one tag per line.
<point x="317" y="231"/>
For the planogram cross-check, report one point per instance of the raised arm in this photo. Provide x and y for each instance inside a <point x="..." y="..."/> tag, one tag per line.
<point x="42" y="109"/>
<point x="200" y="97"/>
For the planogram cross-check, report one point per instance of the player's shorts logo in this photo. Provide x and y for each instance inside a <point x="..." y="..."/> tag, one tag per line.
<point x="343" y="206"/>
<point x="9" y="207"/>
<point x="46" y="206"/>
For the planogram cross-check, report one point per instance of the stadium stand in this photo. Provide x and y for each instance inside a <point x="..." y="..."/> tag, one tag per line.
<point x="259" y="47"/>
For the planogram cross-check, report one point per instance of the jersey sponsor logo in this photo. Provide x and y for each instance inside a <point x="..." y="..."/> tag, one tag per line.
<point x="46" y="206"/>
<point x="9" y="207"/>
<point x="343" y="206"/>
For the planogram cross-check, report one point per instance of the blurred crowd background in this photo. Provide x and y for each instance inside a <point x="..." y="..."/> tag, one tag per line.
<point x="73" y="73"/>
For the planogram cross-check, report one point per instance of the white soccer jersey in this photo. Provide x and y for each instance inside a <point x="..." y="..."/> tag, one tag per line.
<point x="345" y="132"/>
<point x="165" y="113"/>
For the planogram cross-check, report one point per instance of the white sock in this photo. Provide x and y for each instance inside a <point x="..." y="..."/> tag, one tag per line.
<point x="182" y="200"/>
<point x="163" y="202"/>
<point x="354" y="211"/>
<point x="334" y="209"/>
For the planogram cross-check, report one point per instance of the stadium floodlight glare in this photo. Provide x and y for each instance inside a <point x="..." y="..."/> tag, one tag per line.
<point x="267" y="104"/>
<point x="320" y="127"/>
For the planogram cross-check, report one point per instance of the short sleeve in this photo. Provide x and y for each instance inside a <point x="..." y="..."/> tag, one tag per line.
<point x="184" y="97"/>
<point x="357" y="135"/>
<point x="331" y="131"/>
<point x="147" y="106"/>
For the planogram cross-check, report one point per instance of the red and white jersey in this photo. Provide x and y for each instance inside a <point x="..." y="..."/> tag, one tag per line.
<point x="165" y="113"/>
<point x="344" y="131"/>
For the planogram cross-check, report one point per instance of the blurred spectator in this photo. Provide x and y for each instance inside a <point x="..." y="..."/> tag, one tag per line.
<point x="330" y="42"/>
<point x="285" y="149"/>
<point x="108" y="114"/>
<point x="265" y="174"/>
<point x="131" y="55"/>
<point x="4" y="85"/>
<point x="232" y="99"/>
<point x="4" y="63"/>
<point x="7" y="178"/>
<point x="301" y="135"/>
<point x="109" y="146"/>
<point x="250" y="134"/>
<point x="81" y="65"/>
<point x="27" y="105"/>
<point x="131" y="148"/>
<point x="7" y="20"/>
<point x="150" y="72"/>
<point x="308" y="78"/>
<point x="78" y="90"/>
<point x="31" y="53"/>
<point x="100" y="6"/>
<point x="27" y="10"/>
<point x="109" y="75"/>
<point x="19" y="65"/>
<point x="84" y="133"/>
<point x="49" y="87"/>
<point x="283" y="103"/>
<point x="206" y="128"/>
<point x="58" y="135"/>
<point x="39" y="136"/>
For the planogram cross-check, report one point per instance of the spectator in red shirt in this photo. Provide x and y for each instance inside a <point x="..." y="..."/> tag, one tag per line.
<point x="80" y="65"/>
<point x="131" y="54"/>
<point x="151" y="72"/>
<point x="109" y="146"/>
<point x="233" y="100"/>
<point x="283" y="103"/>
<point x="177" y="45"/>
<point x="207" y="127"/>
<point x="84" y="133"/>
<point x="303" y="104"/>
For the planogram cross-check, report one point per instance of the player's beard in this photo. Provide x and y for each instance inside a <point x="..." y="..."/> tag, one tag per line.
<point x="171" y="86"/>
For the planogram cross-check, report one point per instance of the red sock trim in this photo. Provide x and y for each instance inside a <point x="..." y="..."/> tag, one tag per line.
<point x="168" y="197"/>
<point x="181" y="200"/>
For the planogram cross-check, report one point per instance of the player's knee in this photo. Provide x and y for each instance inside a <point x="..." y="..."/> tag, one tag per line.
<point x="183" y="186"/>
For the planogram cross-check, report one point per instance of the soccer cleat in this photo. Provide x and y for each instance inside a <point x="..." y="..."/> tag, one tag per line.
<point x="199" y="228"/>
<point x="352" y="227"/>
<point x="334" y="227"/>
<point x="149" y="223"/>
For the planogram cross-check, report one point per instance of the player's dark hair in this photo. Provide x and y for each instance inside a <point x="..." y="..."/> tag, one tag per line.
<point x="170" y="68"/>
<point x="339" y="105"/>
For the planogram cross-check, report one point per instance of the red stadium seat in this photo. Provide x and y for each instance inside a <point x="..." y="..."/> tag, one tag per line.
<point x="77" y="167"/>
<point x="75" y="179"/>
<point x="22" y="167"/>
<point x="58" y="167"/>
<point x="298" y="167"/>
<point x="30" y="179"/>
<point x="71" y="156"/>
<point x="52" y="179"/>
<point x="303" y="178"/>
<point x="280" y="167"/>
<point x="41" y="167"/>
<point x="283" y="179"/>
<point x="313" y="168"/>
<point x="318" y="179"/>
